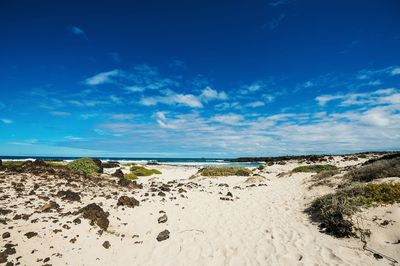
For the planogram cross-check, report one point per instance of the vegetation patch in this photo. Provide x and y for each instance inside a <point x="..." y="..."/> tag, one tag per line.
<point x="323" y="178"/>
<point x="225" y="171"/>
<point x="13" y="163"/>
<point x="375" y="170"/>
<point x="130" y="176"/>
<point x="142" y="171"/>
<point x="334" y="211"/>
<point x="314" y="168"/>
<point x="85" y="165"/>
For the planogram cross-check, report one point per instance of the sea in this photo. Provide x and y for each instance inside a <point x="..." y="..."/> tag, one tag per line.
<point x="144" y="161"/>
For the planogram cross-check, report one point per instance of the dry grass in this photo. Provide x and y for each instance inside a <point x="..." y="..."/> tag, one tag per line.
<point x="375" y="170"/>
<point x="314" y="168"/>
<point x="225" y="171"/>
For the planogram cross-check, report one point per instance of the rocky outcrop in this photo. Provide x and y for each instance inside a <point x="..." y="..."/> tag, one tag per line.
<point x="96" y="215"/>
<point x="127" y="201"/>
<point x="69" y="195"/>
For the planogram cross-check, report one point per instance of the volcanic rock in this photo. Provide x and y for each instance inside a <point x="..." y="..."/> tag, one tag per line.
<point x="127" y="201"/>
<point x="96" y="215"/>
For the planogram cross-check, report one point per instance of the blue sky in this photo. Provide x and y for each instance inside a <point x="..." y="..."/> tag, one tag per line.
<point x="199" y="78"/>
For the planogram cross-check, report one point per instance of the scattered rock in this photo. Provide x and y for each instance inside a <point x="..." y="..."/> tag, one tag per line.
<point x="165" y="188"/>
<point x="163" y="235"/>
<point x="161" y="194"/>
<point x="48" y="207"/>
<point x="69" y="195"/>
<point x="181" y="190"/>
<point x="377" y="256"/>
<point x="162" y="219"/>
<point x="96" y="215"/>
<point x="76" y="221"/>
<point x="29" y="235"/>
<point x="127" y="201"/>
<point x="229" y="194"/>
<point x="118" y="173"/>
<point x="106" y="244"/>
<point x="6" y="235"/>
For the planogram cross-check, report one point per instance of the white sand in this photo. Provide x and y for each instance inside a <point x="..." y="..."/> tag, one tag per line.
<point x="263" y="225"/>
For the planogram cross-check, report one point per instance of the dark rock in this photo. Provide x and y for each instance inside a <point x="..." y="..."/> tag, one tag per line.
<point x="3" y="257"/>
<point x="6" y="235"/>
<point x="39" y="162"/>
<point x="4" y="211"/>
<point x="106" y="244"/>
<point x="118" y="173"/>
<point x="30" y="234"/>
<point x="69" y="195"/>
<point x="131" y="184"/>
<point x="165" y="188"/>
<point x="162" y="219"/>
<point x="77" y="221"/>
<point x="127" y="201"/>
<point x="96" y="215"/>
<point x="229" y="194"/>
<point x="181" y="190"/>
<point x="1" y="162"/>
<point x="163" y="235"/>
<point x="110" y="164"/>
<point x="99" y="164"/>
<point x="161" y="194"/>
<point x="377" y="256"/>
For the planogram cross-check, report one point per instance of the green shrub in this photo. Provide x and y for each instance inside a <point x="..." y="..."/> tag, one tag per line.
<point x="375" y="170"/>
<point x="334" y="210"/>
<point x="142" y="171"/>
<point x="314" y="168"/>
<point x="225" y="171"/>
<point x="84" y="165"/>
<point x="130" y="176"/>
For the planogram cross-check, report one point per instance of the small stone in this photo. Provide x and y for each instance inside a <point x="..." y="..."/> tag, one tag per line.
<point x="106" y="244"/>
<point x="162" y="219"/>
<point x="161" y="194"/>
<point x="30" y="234"/>
<point x="229" y="194"/>
<point x="163" y="235"/>
<point x="6" y="235"/>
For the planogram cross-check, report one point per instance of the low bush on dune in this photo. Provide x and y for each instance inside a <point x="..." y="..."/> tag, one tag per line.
<point x="85" y="165"/>
<point x="142" y="171"/>
<point x="323" y="178"/>
<point x="13" y="163"/>
<point x="314" y="168"/>
<point x="375" y="170"/>
<point x="225" y="171"/>
<point x="334" y="211"/>
<point x="130" y="176"/>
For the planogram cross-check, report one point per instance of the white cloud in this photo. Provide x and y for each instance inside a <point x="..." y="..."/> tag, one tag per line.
<point x="211" y="94"/>
<point x="376" y="117"/>
<point x="123" y="116"/>
<point x="104" y="77"/>
<point x="134" y="89"/>
<point x="24" y="143"/>
<point x="395" y="71"/>
<point x="324" y="99"/>
<point x="72" y="138"/>
<point x="255" y="104"/>
<point x="58" y="113"/>
<point x="229" y="119"/>
<point x="174" y="99"/>
<point x="6" y="121"/>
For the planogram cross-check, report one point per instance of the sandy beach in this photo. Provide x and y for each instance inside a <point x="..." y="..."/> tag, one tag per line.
<point x="229" y="220"/>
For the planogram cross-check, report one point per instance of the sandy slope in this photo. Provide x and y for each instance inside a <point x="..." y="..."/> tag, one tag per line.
<point x="263" y="225"/>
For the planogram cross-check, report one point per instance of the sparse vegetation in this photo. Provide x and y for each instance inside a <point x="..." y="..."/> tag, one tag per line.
<point x="323" y="178"/>
<point x="225" y="171"/>
<point x="84" y="165"/>
<point x="13" y="163"/>
<point x="375" y="170"/>
<point x="130" y="176"/>
<point x="314" y="168"/>
<point x="334" y="211"/>
<point x="142" y="171"/>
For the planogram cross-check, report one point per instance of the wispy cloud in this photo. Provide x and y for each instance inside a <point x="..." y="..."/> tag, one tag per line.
<point x="6" y="121"/>
<point x="59" y="113"/>
<point x="77" y="31"/>
<point x="123" y="116"/>
<point x="174" y="99"/>
<point x="275" y="22"/>
<point x="104" y="77"/>
<point x="279" y="3"/>
<point x="24" y="143"/>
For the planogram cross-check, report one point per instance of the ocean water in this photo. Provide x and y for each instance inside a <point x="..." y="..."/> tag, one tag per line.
<point x="168" y="161"/>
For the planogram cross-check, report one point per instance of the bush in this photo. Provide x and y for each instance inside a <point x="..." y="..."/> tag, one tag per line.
<point x="130" y="176"/>
<point x="375" y="170"/>
<point x="334" y="211"/>
<point x="142" y="171"/>
<point x="314" y="168"/>
<point x="225" y="171"/>
<point x="323" y="178"/>
<point x="85" y="165"/>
